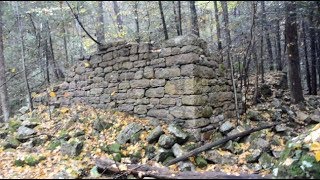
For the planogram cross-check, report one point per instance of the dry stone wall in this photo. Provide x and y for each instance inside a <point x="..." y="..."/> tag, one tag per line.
<point x="179" y="81"/>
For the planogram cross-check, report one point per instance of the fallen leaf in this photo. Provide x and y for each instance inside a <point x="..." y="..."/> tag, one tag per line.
<point x="123" y="167"/>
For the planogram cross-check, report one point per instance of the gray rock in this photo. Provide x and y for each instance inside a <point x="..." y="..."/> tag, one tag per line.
<point x="280" y="128"/>
<point x="237" y="130"/>
<point x="101" y="125"/>
<point x="29" y="123"/>
<point x="155" y="134"/>
<point x="276" y="103"/>
<point x="261" y="144"/>
<point x="25" y="131"/>
<point x="178" y="150"/>
<point x="71" y="149"/>
<point x="217" y="158"/>
<point x="10" y="142"/>
<point x="163" y="154"/>
<point x="253" y="157"/>
<point x="126" y="133"/>
<point x="165" y="73"/>
<point x="266" y="161"/>
<point x="166" y="141"/>
<point x="226" y="127"/>
<point x="24" y="109"/>
<point x="155" y="92"/>
<point x="177" y="131"/>
<point x="186" y="166"/>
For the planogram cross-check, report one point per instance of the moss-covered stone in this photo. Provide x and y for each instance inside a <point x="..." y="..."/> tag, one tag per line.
<point x="201" y="162"/>
<point x="167" y="159"/>
<point x="101" y="125"/>
<point x="64" y="135"/>
<point x="29" y="160"/>
<point x="135" y="138"/>
<point x="114" y="148"/>
<point x="10" y="142"/>
<point x="54" y="144"/>
<point x="14" y="125"/>
<point x="117" y="157"/>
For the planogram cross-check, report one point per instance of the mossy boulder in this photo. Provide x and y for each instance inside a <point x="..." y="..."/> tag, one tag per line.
<point x="30" y="160"/>
<point x="54" y="144"/>
<point x="201" y="162"/>
<point x="298" y="160"/>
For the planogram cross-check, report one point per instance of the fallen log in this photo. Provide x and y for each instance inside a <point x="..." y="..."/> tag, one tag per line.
<point x="144" y="170"/>
<point x="216" y="143"/>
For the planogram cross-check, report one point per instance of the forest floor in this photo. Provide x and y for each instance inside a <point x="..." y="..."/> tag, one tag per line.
<point x="67" y="142"/>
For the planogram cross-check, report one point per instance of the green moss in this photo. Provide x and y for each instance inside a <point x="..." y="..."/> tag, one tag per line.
<point x="222" y="69"/>
<point x="54" y="144"/>
<point x="168" y="159"/>
<point x="63" y="134"/>
<point x="201" y="162"/>
<point x="114" y="148"/>
<point x="117" y="157"/>
<point x="29" y="160"/>
<point x="19" y="162"/>
<point x="14" y="125"/>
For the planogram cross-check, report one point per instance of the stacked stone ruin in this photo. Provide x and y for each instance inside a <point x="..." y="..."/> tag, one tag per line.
<point x="177" y="82"/>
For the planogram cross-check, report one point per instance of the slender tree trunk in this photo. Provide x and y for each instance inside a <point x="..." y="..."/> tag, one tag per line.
<point x="279" y="63"/>
<point x="179" y="17"/>
<point x="119" y="19"/>
<point x="100" y="22"/>
<point x="230" y="64"/>
<point x="226" y="29"/>
<point x="306" y="56"/>
<point x="64" y="36"/>
<point x="261" y="59"/>
<point x="27" y="86"/>
<point x="194" y="19"/>
<point x="3" y="84"/>
<point x="216" y="15"/>
<point x="176" y="18"/>
<point x="136" y="18"/>
<point x="254" y="52"/>
<point x="50" y="48"/>
<point x="163" y="22"/>
<point x="312" y="35"/>
<point x="293" y="53"/>
<point x="267" y="36"/>
<point x="318" y="31"/>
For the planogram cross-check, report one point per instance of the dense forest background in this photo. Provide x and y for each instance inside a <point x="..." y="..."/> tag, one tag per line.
<point x="42" y="39"/>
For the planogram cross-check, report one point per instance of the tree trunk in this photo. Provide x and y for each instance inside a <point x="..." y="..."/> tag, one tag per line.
<point x="3" y="84"/>
<point x="194" y="19"/>
<point x="176" y="18"/>
<point x="230" y="64"/>
<point x="64" y="36"/>
<point x="100" y="22"/>
<point x="312" y="35"/>
<point x="27" y="86"/>
<point x="293" y="53"/>
<point x="136" y="18"/>
<point x="318" y="31"/>
<point x="226" y="29"/>
<point x="279" y="63"/>
<point x="119" y="19"/>
<point x="216" y="15"/>
<point x="261" y="59"/>
<point x="303" y="34"/>
<point x="179" y="17"/>
<point x="163" y="22"/>
<point x="266" y="30"/>
<point x="254" y="52"/>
